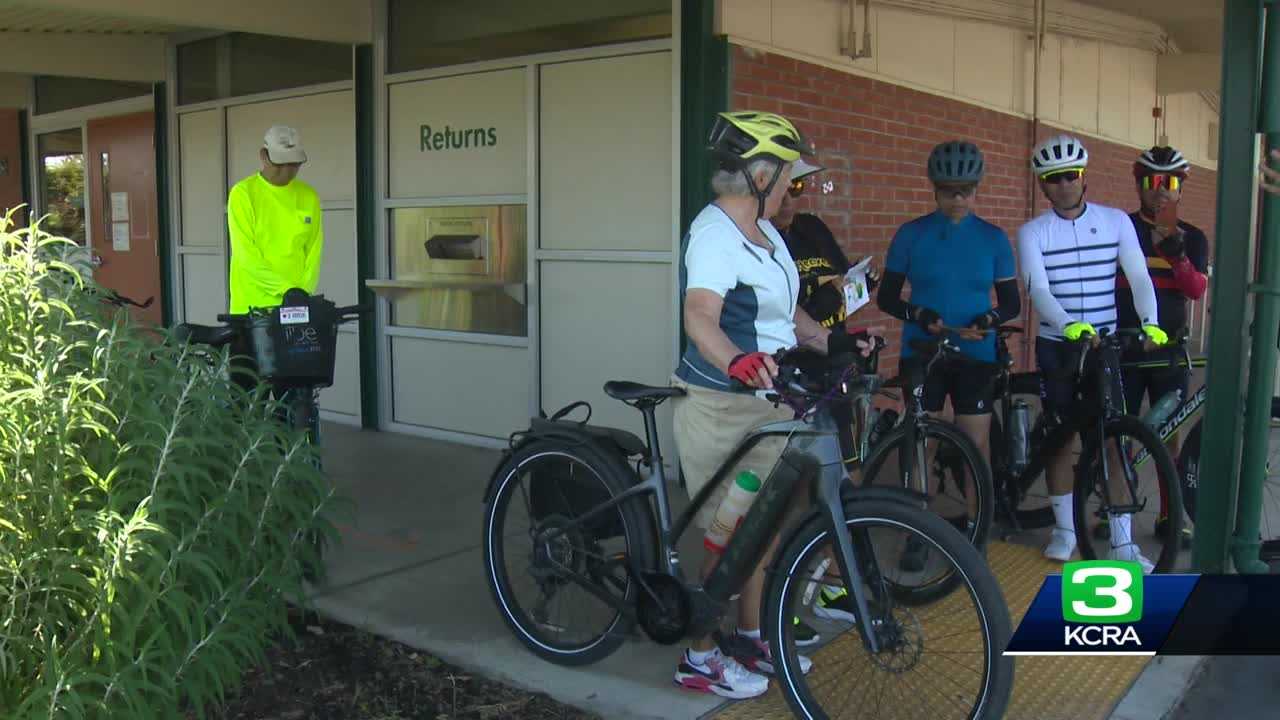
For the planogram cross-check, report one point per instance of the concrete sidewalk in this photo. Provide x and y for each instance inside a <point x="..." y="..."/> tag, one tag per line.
<point x="411" y="569"/>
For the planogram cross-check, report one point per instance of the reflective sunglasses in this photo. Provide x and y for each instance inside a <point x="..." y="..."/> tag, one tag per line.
<point x="1155" y="182"/>
<point x="796" y="189"/>
<point x="953" y="191"/>
<point x="1061" y="176"/>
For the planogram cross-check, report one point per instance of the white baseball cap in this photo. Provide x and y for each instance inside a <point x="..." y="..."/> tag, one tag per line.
<point x="284" y="145"/>
<point x="801" y="169"/>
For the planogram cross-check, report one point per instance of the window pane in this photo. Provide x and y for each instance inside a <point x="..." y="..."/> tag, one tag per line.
<point x="460" y="268"/>
<point x="264" y="63"/>
<point x="245" y="64"/>
<point x="198" y="71"/>
<point x="62" y="183"/>
<point x="433" y="33"/>
<point x="54" y="93"/>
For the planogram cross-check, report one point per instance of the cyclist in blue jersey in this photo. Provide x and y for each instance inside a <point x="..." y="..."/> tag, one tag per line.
<point x="953" y="259"/>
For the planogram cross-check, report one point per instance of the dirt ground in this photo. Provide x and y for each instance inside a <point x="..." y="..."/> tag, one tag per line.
<point x="332" y="671"/>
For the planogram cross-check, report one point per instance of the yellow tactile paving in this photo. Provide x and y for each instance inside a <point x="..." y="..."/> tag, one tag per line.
<point x="1046" y="688"/>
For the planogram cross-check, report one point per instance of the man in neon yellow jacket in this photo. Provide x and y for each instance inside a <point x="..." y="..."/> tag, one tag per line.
<point x="277" y="238"/>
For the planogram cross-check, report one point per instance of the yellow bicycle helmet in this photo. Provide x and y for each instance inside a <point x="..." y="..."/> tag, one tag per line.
<point x="740" y="138"/>
<point x="737" y="138"/>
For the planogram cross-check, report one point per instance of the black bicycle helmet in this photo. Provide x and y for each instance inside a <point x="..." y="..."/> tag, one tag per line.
<point x="956" y="161"/>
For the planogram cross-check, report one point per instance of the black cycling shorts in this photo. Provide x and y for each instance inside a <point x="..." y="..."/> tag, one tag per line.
<point x="1153" y="382"/>
<point x="970" y="386"/>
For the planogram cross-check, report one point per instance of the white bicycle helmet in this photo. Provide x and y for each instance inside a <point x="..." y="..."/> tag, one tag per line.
<point x="1061" y="152"/>
<point x="1161" y="160"/>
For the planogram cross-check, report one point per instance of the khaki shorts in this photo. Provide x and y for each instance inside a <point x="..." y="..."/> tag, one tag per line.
<point x="709" y="424"/>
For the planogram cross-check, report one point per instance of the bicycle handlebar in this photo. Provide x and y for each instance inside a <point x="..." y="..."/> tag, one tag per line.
<point x="119" y="300"/>
<point x="806" y="379"/>
<point x="344" y="314"/>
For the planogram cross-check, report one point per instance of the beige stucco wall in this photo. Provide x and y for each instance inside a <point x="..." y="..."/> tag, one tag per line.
<point x="1097" y="71"/>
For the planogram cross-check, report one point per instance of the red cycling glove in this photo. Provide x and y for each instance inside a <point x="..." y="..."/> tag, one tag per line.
<point x="746" y="367"/>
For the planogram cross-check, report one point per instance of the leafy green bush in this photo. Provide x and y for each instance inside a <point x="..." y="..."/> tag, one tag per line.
<point x="151" y="513"/>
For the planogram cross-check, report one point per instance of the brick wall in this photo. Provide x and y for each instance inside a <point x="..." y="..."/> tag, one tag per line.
<point x="875" y="137"/>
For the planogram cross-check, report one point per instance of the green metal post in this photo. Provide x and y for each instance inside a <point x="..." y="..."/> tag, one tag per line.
<point x="704" y="91"/>
<point x="366" y="224"/>
<point x="1216" y="500"/>
<point x="1266" y="320"/>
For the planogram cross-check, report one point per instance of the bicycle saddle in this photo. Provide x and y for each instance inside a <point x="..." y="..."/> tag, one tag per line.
<point x="216" y="336"/>
<point x="629" y="391"/>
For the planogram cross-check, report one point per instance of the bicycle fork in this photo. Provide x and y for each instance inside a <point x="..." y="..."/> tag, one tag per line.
<point x="846" y="558"/>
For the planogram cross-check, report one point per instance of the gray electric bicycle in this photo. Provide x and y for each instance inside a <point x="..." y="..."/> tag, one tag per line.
<point x="579" y="547"/>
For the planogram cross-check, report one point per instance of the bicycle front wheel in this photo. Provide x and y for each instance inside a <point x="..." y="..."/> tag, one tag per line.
<point x="1146" y="494"/>
<point x="942" y="660"/>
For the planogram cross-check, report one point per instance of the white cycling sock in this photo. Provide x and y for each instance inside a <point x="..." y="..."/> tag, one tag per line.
<point x="1063" y="512"/>
<point x="700" y="658"/>
<point x="1121" y="530"/>
<point x="753" y="634"/>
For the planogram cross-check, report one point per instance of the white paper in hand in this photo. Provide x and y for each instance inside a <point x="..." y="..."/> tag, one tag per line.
<point x="856" y="293"/>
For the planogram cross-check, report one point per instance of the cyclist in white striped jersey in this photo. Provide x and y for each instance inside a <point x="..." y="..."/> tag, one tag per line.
<point x="1069" y="256"/>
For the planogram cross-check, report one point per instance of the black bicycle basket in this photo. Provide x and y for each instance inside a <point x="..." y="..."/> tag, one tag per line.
<point x="295" y="344"/>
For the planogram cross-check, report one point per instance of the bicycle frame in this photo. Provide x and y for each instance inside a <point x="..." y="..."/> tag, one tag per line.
<point x="1060" y="436"/>
<point x="1187" y="409"/>
<point x="812" y="442"/>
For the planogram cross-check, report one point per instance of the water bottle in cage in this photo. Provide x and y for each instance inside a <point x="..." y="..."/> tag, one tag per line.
<point x="1164" y="407"/>
<point x="1019" y="428"/>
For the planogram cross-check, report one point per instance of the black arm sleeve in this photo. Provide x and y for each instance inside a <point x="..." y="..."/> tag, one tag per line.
<point x="890" y="296"/>
<point x="1008" y="304"/>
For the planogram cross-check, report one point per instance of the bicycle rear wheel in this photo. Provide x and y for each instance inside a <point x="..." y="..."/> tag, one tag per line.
<point x="1144" y="485"/>
<point x="940" y="661"/>
<point x="548" y="588"/>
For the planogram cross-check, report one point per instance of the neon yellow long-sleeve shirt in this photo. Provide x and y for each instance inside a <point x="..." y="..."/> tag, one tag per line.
<point x="277" y="241"/>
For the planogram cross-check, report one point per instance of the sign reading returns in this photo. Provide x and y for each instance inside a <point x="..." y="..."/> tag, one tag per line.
<point x="450" y="139"/>
<point x="464" y="135"/>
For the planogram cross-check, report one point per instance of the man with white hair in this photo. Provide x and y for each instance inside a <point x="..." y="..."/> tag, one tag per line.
<point x="277" y="238"/>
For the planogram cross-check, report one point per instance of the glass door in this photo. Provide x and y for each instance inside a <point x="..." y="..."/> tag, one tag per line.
<point x="61" y="166"/>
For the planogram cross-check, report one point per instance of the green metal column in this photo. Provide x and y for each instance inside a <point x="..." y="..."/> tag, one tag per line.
<point x="704" y="91"/>
<point x="1216" y="499"/>
<point x="1266" y="320"/>
<point x="160" y="95"/>
<point x="366" y="230"/>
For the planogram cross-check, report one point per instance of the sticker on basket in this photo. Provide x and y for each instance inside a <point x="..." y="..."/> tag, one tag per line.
<point x="295" y="315"/>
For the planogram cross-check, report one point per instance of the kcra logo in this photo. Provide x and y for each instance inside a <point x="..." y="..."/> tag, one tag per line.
<point x="1100" y="600"/>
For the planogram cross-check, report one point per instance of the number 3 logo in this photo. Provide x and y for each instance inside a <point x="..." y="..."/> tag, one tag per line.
<point x="1102" y="591"/>
<point x="1121" y="581"/>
